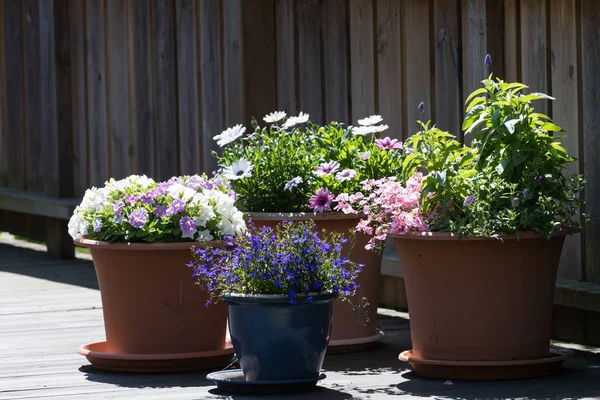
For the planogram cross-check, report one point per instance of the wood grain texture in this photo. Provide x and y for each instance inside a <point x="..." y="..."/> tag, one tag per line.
<point x="534" y="49"/>
<point x="233" y="68"/>
<point x="389" y="66"/>
<point x="447" y="85"/>
<point x="165" y="96"/>
<point x="362" y="53"/>
<point x="590" y="79"/>
<point x="211" y="72"/>
<point x="117" y="72"/>
<point x="285" y="42"/>
<point x="143" y="114"/>
<point x="416" y="63"/>
<point x="512" y="41"/>
<point x="310" y="78"/>
<point x="187" y="88"/>
<point x="564" y="69"/>
<point x="98" y="140"/>
<point x="335" y="61"/>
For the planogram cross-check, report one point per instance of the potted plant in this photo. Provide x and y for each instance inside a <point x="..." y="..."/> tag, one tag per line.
<point x="480" y="247"/>
<point x="292" y="169"/>
<point x="139" y="233"/>
<point x="279" y="284"/>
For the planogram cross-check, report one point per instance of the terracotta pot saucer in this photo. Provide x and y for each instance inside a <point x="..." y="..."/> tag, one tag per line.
<point x="353" y="345"/>
<point x="488" y="370"/>
<point x="233" y="381"/>
<point x="98" y="356"/>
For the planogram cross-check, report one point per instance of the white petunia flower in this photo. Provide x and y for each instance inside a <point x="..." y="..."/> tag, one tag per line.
<point x="230" y="135"/>
<point x="372" y="120"/>
<point x="292" y="183"/>
<point x="293" y="121"/>
<point x="346" y="175"/>
<point x="238" y="170"/>
<point x="204" y="235"/>
<point x="274" y="117"/>
<point x="365" y="130"/>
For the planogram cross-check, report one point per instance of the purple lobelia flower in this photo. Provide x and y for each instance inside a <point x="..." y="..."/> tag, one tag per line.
<point x="327" y="168"/>
<point x="469" y="200"/>
<point x="138" y="218"/>
<point x="188" y="227"/>
<point x="177" y="206"/>
<point x="321" y="200"/>
<point x="118" y="207"/>
<point x="388" y="144"/>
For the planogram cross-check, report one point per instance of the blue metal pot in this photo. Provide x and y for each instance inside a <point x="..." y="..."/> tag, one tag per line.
<point x="275" y="340"/>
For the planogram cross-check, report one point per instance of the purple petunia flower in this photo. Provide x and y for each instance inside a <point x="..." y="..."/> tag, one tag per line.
<point x="327" y="168"/>
<point x="138" y="218"/>
<point x="132" y="198"/>
<point x="515" y="202"/>
<point x="469" y="200"/>
<point x="177" y="206"/>
<point x="194" y="182"/>
<point x="159" y="211"/>
<point x="118" y="207"/>
<point x="97" y="224"/>
<point x="321" y="200"/>
<point x="147" y="198"/>
<point x="188" y="227"/>
<point x="388" y="144"/>
<point x="527" y="194"/>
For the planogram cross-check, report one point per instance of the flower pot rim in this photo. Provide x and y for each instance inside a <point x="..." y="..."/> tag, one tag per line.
<point x="99" y="244"/>
<point x="241" y="298"/>
<point x="299" y="216"/>
<point x="428" y="235"/>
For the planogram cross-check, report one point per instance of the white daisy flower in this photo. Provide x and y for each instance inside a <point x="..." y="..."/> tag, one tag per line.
<point x="293" y="121"/>
<point x="230" y="135"/>
<point x="372" y="120"/>
<point x="274" y="117"/>
<point x="346" y="175"/>
<point x="365" y="130"/>
<point x="238" y="170"/>
<point x="292" y="183"/>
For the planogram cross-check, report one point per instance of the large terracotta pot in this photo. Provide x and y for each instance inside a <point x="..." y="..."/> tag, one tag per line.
<point x="349" y="331"/>
<point x="150" y="303"/>
<point x="479" y="299"/>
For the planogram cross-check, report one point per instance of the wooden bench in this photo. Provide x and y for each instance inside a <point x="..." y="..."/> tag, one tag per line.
<point x="57" y="213"/>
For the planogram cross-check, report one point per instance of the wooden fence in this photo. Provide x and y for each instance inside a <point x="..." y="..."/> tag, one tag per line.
<point x="98" y="88"/>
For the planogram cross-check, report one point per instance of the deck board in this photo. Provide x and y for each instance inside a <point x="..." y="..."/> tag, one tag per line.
<point x="49" y="307"/>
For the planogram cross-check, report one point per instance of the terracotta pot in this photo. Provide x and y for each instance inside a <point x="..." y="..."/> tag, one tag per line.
<point x="150" y="303"/>
<point x="479" y="299"/>
<point x="349" y="331"/>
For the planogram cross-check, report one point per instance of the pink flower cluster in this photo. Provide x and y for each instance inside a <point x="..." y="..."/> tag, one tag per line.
<point x="389" y="206"/>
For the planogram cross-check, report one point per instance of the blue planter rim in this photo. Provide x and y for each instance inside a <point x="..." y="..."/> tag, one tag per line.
<point x="239" y="298"/>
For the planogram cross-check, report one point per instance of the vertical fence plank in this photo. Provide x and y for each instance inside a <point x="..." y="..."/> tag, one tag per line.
<point x="78" y="94"/>
<point x="335" y="63"/>
<point x="165" y="99"/>
<point x="448" y="96"/>
<point x="141" y="83"/>
<point x="117" y="73"/>
<point x="494" y="27"/>
<point x="416" y="63"/>
<point x="259" y="57"/>
<point x="474" y="47"/>
<point x="12" y="96"/>
<point x="512" y="54"/>
<point x="98" y="150"/>
<point x="362" y="79"/>
<point x="533" y="49"/>
<point x="564" y="67"/>
<point x="187" y="88"/>
<point x="285" y="42"/>
<point x="389" y="65"/>
<point x="32" y="94"/>
<point x="232" y="60"/>
<point x="590" y="79"/>
<point x="309" y="59"/>
<point x="211" y="77"/>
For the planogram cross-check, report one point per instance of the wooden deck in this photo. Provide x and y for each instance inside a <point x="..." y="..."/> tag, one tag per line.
<point x="49" y="307"/>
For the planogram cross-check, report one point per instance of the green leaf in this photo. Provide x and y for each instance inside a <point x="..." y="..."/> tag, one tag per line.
<point x="510" y="125"/>
<point x="475" y="93"/>
<point x="549" y="126"/>
<point x="535" y="96"/>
